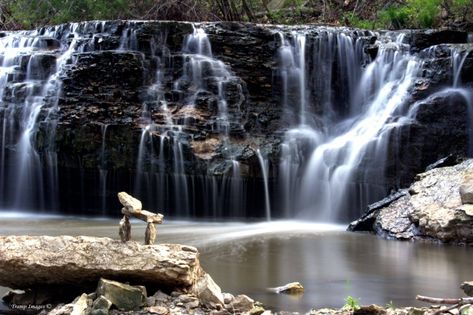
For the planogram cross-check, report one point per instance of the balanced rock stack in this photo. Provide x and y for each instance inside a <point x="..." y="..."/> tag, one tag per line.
<point x="132" y="207"/>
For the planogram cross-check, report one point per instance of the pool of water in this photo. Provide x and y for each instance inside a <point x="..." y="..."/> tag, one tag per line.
<point x="249" y="258"/>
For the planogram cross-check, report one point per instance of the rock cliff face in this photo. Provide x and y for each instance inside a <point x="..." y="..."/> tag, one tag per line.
<point x="176" y="112"/>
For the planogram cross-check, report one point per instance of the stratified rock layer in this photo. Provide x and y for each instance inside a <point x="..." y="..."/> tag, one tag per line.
<point x="31" y="261"/>
<point x="431" y="209"/>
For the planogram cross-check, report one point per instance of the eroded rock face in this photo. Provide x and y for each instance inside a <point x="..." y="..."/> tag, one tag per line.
<point x="79" y="262"/>
<point x="431" y="209"/>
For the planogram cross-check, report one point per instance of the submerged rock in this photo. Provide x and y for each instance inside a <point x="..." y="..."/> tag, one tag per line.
<point x="432" y="209"/>
<point x="290" y="288"/>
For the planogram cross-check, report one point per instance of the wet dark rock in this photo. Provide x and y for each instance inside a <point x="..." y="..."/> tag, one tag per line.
<point x="449" y="160"/>
<point x="467" y="287"/>
<point x="367" y="220"/>
<point x="421" y="39"/>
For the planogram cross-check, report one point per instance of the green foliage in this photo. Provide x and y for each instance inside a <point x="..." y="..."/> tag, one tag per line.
<point x="365" y="15"/>
<point x="390" y="305"/>
<point x="462" y="9"/>
<point x="396" y="17"/>
<point x="423" y="13"/>
<point x="32" y="13"/>
<point x="355" y="21"/>
<point x="351" y="303"/>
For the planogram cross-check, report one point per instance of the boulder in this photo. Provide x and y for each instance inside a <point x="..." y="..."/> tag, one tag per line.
<point x="242" y="303"/>
<point x="101" y="306"/>
<point x="32" y="261"/>
<point x="290" y="288"/>
<point x="432" y="208"/>
<point x="421" y="39"/>
<point x="467" y="287"/>
<point x="80" y="305"/>
<point x="208" y="291"/>
<point x="370" y="310"/>
<point x="125" y="297"/>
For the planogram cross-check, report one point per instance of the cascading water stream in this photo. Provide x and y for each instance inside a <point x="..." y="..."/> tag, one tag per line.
<point x="103" y="170"/>
<point x="41" y="90"/>
<point x="201" y="74"/>
<point x="321" y="185"/>
<point x="264" y="170"/>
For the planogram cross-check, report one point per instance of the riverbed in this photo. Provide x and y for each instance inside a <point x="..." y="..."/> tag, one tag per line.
<point x="248" y="258"/>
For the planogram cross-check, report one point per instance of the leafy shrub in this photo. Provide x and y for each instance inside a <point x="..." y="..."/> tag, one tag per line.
<point x="423" y="13"/>
<point x="355" y="21"/>
<point x="396" y="17"/>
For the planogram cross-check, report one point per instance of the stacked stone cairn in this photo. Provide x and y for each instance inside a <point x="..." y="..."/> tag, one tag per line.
<point x="132" y="207"/>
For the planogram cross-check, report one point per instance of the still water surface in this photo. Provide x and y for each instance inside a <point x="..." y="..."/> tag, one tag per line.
<point x="248" y="258"/>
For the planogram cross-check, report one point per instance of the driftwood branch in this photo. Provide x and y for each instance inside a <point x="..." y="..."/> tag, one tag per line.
<point x="454" y="303"/>
<point x="461" y="301"/>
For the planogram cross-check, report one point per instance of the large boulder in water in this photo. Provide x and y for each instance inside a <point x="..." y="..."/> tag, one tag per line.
<point x="431" y="209"/>
<point x="28" y="262"/>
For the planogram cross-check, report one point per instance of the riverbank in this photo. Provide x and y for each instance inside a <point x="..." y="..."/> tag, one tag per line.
<point x="248" y="258"/>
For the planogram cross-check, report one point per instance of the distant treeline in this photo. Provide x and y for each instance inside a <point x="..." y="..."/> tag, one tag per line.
<point x="26" y="14"/>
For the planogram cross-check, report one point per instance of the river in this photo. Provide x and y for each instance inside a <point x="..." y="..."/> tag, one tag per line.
<point x="247" y="258"/>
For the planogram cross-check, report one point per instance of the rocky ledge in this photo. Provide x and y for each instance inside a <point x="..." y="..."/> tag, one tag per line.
<point x="438" y="206"/>
<point x="47" y="270"/>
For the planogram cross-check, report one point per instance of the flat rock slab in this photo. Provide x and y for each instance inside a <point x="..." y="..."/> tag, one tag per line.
<point x="32" y="261"/>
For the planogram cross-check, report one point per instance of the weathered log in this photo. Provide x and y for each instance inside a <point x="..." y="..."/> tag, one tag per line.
<point x="125" y="229"/>
<point x="144" y="215"/>
<point x="429" y="299"/>
<point x="150" y="234"/>
<point x="31" y="261"/>
<point x="129" y="202"/>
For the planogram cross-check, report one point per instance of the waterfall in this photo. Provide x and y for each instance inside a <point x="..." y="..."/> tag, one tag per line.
<point x="186" y="118"/>
<point x="264" y="170"/>
<point x="34" y="185"/>
<point x="202" y="74"/>
<point x="103" y="171"/>
<point x="321" y="185"/>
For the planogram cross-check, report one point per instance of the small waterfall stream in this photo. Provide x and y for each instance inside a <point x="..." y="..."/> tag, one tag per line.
<point x="264" y="170"/>
<point x="40" y="88"/>
<point x="321" y="185"/>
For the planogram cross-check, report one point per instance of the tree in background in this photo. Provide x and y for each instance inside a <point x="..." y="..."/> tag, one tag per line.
<point x="392" y="14"/>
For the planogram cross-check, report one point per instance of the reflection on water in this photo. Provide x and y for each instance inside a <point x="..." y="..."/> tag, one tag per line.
<point x="330" y="263"/>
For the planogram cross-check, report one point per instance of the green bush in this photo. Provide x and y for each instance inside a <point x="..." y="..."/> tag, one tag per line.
<point x="396" y="17"/>
<point x="33" y="13"/>
<point x="355" y="21"/>
<point x="423" y="13"/>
